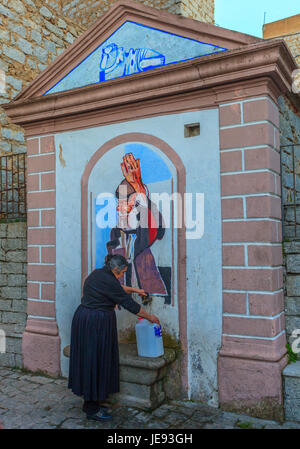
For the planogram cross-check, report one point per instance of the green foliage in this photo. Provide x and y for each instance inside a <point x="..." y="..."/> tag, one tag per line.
<point x="35" y="373"/>
<point x="292" y="356"/>
<point x="13" y="220"/>
<point x="244" y="425"/>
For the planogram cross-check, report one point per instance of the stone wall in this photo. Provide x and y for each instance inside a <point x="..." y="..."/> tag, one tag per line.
<point x="86" y="12"/>
<point x="31" y="37"/>
<point x="289" y="109"/>
<point x="287" y="29"/>
<point x="292" y="292"/>
<point x="13" y="292"/>
<point x="290" y="177"/>
<point x="293" y="41"/>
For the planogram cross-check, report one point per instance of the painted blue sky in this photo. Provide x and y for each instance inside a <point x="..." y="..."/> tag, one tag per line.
<point x="248" y="16"/>
<point x="153" y="168"/>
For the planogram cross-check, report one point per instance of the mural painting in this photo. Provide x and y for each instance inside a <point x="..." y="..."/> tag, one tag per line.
<point x="121" y="62"/>
<point x="138" y="226"/>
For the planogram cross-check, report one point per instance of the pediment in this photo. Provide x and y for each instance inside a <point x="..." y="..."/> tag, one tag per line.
<point x="132" y="48"/>
<point x="131" y="38"/>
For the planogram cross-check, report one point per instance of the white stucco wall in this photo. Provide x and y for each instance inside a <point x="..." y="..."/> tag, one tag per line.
<point x="200" y="156"/>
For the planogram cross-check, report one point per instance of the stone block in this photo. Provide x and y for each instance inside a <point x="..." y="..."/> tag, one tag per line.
<point x="41" y="54"/>
<point x="14" y="244"/>
<point x="61" y="23"/>
<point x="292" y="305"/>
<point x="293" y="263"/>
<point x="30" y="3"/>
<point x="14" y="345"/>
<point x="13" y="53"/>
<point x="18" y="361"/>
<point x="18" y="6"/>
<point x="145" y="397"/>
<point x="3" y="121"/>
<point x="5" y="305"/>
<point x="17" y="149"/>
<point x="24" y="46"/>
<point x="7" y="359"/>
<point x="292" y="323"/>
<point x="4" y="35"/>
<point x="11" y="292"/>
<point x="31" y="63"/>
<point x="293" y="285"/>
<point x="45" y="12"/>
<point x="291" y="247"/>
<point x="69" y="38"/>
<point x="253" y="387"/>
<point x="13" y="330"/>
<point x="54" y="29"/>
<point x="16" y="230"/>
<point x="14" y="318"/>
<point x="6" y="12"/>
<point x="41" y="352"/>
<point x="19" y="305"/>
<point x="5" y="146"/>
<point x="2" y="255"/>
<point x="16" y="280"/>
<point x="12" y="268"/>
<point x="36" y="36"/>
<point x="3" y="280"/>
<point x="3" y="230"/>
<point x="58" y="41"/>
<point x="141" y="376"/>
<point x="16" y="256"/>
<point x="42" y="67"/>
<point x="19" y="29"/>
<point x="50" y="46"/>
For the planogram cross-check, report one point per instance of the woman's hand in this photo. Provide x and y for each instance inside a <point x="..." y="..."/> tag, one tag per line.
<point x="154" y="319"/>
<point x="141" y="292"/>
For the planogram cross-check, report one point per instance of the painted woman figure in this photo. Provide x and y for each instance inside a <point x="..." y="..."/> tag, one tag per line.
<point x="140" y="224"/>
<point x="94" y="352"/>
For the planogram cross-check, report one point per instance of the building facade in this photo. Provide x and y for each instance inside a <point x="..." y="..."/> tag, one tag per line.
<point x="207" y="107"/>
<point x="220" y="294"/>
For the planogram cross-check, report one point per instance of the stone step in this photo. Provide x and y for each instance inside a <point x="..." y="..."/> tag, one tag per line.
<point x="141" y="378"/>
<point x="291" y="383"/>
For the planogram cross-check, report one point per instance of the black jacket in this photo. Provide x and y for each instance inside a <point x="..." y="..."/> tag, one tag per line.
<point x="102" y="290"/>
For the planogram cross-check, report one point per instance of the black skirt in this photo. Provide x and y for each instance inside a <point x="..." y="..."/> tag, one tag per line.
<point x="94" y="354"/>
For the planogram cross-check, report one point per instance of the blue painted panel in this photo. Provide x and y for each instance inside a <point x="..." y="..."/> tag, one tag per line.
<point x="132" y="48"/>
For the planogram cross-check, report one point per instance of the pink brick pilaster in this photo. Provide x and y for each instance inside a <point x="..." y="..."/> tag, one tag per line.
<point x="41" y="342"/>
<point x="253" y="351"/>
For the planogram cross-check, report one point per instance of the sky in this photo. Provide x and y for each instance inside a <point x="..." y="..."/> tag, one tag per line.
<point x="247" y="16"/>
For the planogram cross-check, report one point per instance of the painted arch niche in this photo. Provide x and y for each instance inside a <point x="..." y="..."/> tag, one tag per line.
<point x="133" y="222"/>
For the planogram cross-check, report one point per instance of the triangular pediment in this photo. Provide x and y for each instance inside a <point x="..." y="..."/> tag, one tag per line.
<point x="131" y="38"/>
<point x="133" y="48"/>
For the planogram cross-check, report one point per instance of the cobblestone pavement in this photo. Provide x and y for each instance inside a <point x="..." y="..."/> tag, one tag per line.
<point x="29" y="401"/>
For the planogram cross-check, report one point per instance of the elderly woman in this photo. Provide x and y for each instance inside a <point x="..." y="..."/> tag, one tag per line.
<point x="94" y="352"/>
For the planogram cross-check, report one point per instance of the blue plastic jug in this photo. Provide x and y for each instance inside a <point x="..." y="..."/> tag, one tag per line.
<point x="149" y="339"/>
